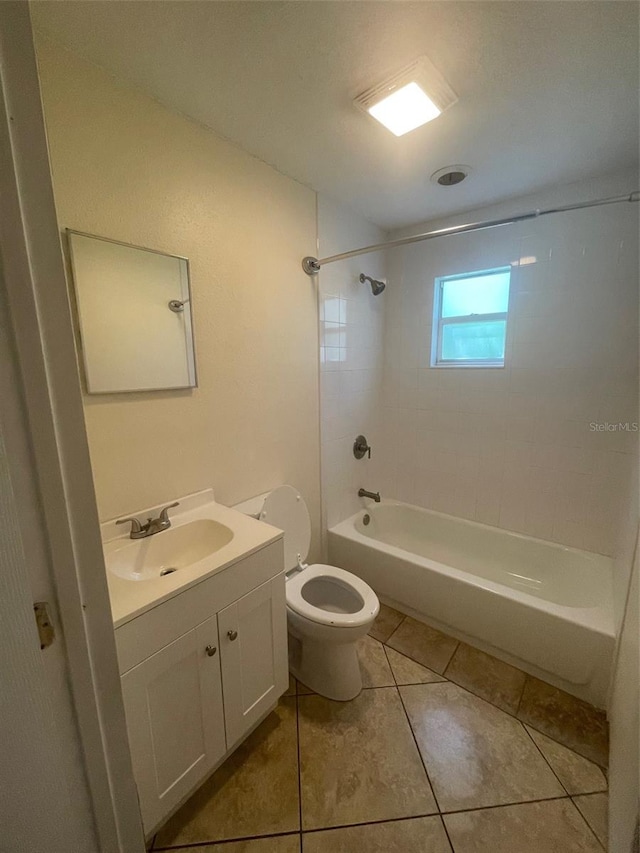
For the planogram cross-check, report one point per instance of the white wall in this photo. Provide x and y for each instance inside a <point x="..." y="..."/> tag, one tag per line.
<point x="512" y="447"/>
<point x="125" y="167"/>
<point x="351" y="349"/>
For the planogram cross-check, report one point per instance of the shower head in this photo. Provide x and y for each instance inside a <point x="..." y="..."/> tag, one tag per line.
<point x="376" y="286"/>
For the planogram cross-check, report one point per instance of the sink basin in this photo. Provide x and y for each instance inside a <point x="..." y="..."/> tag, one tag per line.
<point x="168" y="551"/>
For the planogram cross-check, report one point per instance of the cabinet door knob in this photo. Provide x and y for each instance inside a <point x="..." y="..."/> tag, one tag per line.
<point x="232" y="635"/>
<point x="211" y="650"/>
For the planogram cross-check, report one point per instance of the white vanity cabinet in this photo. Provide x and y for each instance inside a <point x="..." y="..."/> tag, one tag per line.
<point x="175" y="719"/>
<point x="253" y="635"/>
<point x="199" y="671"/>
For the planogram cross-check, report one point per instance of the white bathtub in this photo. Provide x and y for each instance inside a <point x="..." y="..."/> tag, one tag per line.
<point x="543" y="607"/>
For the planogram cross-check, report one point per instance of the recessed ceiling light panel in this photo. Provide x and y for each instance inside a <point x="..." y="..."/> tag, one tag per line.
<point x="408" y="99"/>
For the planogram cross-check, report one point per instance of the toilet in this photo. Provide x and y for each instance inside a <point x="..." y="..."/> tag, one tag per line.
<point x="328" y="609"/>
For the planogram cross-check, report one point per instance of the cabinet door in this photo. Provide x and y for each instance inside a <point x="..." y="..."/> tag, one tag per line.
<point x="253" y="643"/>
<point x="175" y="720"/>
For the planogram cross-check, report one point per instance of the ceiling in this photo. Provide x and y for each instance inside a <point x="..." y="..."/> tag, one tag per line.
<point x="548" y="91"/>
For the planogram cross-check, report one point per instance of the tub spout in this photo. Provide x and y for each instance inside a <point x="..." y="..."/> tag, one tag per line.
<point x="375" y="496"/>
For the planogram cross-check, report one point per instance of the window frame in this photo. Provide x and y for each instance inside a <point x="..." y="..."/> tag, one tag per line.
<point x="439" y="321"/>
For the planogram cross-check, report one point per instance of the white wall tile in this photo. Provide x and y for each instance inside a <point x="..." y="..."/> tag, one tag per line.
<point x="351" y="360"/>
<point x="513" y="447"/>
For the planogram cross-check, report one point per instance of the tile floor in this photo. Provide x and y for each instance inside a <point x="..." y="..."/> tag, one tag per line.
<point x="446" y="750"/>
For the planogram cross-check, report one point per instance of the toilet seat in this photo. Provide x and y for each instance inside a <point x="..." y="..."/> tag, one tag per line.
<point x="284" y="508"/>
<point x="343" y="590"/>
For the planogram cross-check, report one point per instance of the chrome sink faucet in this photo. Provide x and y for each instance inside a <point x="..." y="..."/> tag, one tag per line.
<point x="151" y="526"/>
<point x="375" y="496"/>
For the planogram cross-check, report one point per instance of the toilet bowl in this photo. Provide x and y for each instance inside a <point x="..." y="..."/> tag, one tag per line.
<point x="328" y="608"/>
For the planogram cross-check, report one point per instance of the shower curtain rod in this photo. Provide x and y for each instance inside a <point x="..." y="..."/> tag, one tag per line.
<point x="312" y="265"/>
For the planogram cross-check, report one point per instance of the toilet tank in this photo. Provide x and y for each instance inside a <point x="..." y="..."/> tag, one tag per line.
<point x="253" y="506"/>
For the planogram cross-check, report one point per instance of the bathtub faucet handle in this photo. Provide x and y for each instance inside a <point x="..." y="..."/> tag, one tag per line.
<point x="375" y="496"/>
<point x="361" y="446"/>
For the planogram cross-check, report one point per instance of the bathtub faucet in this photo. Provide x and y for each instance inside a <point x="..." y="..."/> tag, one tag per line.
<point x="375" y="496"/>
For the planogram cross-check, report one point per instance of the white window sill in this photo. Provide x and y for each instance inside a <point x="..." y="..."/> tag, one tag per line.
<point x="468" y="364"/>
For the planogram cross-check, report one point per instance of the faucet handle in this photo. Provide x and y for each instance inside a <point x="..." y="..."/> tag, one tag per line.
<point x="361" y="446"/>
<point x="136" y="527"/>
<point x="164" y="513"/>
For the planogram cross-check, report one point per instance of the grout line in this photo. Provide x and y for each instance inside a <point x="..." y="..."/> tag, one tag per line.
<point x="299" y="767"/>
<point x="593" y="832"/>
<point x="505" y="805"/>
<point x="562" y="785"/>
<point x="393" y="675"/>
<point x="415" y="740"/>
<point x="418" y="661"/>
<point x="400" y="623"/>
<point x="409" y="683"/>
<point x="524" y="684"/>
<point x="205" y="844"/>
<point x="370" y="822"/>
<point x="370" y="687"/>
<point x="446" y="832"/>
<point x="484" y="699"/>
<point x="450" y="661"/>
<point x="603" y="768"/>
<point x="438" y="814"/>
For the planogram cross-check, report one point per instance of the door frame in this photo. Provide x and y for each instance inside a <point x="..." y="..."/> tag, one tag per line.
<point x="38" y="305"/>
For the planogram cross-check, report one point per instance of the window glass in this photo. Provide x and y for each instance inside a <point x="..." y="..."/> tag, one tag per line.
<point x="483" y="294"/>
<point x="474" y="340"/>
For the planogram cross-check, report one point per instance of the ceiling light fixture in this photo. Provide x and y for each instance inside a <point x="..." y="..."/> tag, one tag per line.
<point x="410" y="98"/>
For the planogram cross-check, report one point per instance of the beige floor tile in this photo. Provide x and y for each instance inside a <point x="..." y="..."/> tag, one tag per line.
<point x="552" y="827"/>
<point x="424" y="644"/>
<point x="595" y="810"/>
<point x="255" y="792"/>
<point x="565" y="719"/>
<point x="418" y="835"/>
<point x="577" y="774"/>
<point x="270" y="844"/>
<point x="386" y="623"/>
<point x="486" y="676"/>
<point x="476" y="755"/>
<point x="407" y="671"/>
<point x="359" y="762"/>
<point x="374" y="665"/>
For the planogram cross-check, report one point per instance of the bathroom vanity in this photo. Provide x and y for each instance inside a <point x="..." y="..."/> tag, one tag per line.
<point x="202" y="648"/>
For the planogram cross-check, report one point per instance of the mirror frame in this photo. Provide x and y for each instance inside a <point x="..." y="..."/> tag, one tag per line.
<point x="190" y="336"/>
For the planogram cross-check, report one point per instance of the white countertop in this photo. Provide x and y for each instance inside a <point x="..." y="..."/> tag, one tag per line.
<point x="130" y="598"/>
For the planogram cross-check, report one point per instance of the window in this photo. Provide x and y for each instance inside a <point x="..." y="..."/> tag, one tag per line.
<point x="470" y="319"/>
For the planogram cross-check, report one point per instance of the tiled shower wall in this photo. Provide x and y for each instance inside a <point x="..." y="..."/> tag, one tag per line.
<point x="351" y="339"/>
<point x="515" y="446"/>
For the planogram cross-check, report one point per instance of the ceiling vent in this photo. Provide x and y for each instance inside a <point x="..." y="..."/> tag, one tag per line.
<point x="449" y="176"/>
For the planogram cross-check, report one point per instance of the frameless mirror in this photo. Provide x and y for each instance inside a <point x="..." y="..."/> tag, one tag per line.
<point x="134" y="312"/>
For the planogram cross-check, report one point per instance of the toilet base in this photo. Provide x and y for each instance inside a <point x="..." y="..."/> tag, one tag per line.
<point x="331" y="670"/>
